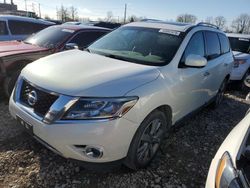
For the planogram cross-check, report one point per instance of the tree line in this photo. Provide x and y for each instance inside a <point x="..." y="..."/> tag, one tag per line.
<point x="240" y="24"/>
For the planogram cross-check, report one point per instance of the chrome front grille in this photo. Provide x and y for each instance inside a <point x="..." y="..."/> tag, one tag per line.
<point x="43" y="102"/>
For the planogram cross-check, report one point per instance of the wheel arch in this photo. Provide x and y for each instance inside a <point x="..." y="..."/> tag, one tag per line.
<point x="17" y="65"/>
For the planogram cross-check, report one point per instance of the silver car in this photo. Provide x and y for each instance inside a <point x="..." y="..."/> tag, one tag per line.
<point x="19" y="28"/>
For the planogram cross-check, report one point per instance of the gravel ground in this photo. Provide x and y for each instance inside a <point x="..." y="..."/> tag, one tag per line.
<point x="182" y="162"/>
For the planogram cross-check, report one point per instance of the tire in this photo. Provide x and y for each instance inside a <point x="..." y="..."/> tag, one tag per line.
<point x="9" y="83"/>
<point x="248" y="111"/>
<point x="147" y="140"/>
<point x="243" y="87"/>
<point x="220" y="94"/>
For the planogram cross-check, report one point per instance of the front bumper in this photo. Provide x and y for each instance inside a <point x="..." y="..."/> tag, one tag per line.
<point x="113" y="136"/>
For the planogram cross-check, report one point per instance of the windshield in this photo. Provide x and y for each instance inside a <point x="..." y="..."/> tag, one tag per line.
<point x="50" y="37"/>
<point x="139" y="45"/>
<point x="240" y="44"/>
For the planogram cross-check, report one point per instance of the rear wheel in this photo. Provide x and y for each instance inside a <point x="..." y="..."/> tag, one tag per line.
<point x="147" y="140"/>
<point x="243" y="87"/>
<point x="220" y="95"/>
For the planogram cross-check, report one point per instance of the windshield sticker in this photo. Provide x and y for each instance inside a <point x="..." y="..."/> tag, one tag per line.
<point x="242" y="39"/>
<point x="68" y="30"/>
<point x="171" y="32"/>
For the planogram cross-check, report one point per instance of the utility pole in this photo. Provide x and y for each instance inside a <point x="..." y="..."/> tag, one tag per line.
<point x="39" y="6"/>
<point x="125" y="13"/>
<point x="33" y="7"/>
<point x="26" y="7"/>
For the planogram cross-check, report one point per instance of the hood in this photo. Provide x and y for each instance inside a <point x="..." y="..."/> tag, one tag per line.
<point x="15" y="47"/>
<point x="241" y="55"/>
<point x="78" y="73"/>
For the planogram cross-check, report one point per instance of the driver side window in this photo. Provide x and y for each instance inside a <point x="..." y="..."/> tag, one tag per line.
<point x="195" y="46"/>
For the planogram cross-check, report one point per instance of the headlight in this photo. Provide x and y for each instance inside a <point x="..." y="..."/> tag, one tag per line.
<point x="226" y="175"/>
<point x="100" y="108"/>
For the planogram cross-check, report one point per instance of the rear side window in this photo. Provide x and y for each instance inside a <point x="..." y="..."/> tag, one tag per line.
<point x="212" y="44"/>
<point x="24" y="28"/>
<point x="84" y="39"/>
<point x="195" y="46"/>
<point x="224" y="42"/>
<point x="3" y="28"/>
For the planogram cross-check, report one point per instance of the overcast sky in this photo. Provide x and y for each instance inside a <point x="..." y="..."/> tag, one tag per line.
<point x="158" y="9"/>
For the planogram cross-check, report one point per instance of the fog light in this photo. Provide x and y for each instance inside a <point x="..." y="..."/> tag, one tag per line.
<point x="93" y="152"/>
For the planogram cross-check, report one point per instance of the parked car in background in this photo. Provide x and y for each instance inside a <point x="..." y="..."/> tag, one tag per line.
<point x="115" y="101"/>
<point x="14" y="55"/>
<point x="240" y="44"/>
<point x="72" y="23"/>
<point x="19" y="28"/>
<point x="230" y="168"/>
<point x="109" y="25"/>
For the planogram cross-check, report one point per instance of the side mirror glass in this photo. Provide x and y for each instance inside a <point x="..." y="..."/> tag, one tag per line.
<point x="71" y="46"/>
<point x="195" y="61"/>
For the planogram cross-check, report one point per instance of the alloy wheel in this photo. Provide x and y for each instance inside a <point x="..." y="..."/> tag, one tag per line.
<point x="150" y="141"/>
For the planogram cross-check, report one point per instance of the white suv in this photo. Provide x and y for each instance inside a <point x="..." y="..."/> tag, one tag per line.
<point x="116" y="100"/>
<point x="240" y="44"/>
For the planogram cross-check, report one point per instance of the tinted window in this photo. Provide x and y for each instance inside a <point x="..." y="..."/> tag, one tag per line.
<point x="225" y="47"/>
<point x="50" y="37"/>
<point x="195" y="46"/>
<point x="24" y="28"/>
<point x="240" y="44"/>
<point x="213" y="45"/>
<point x="139" y="45"/>
<point x="84" y="39"/>
<point x="3" y="28"/>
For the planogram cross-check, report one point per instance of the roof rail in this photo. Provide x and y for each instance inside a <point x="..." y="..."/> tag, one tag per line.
<point x="207" y="25"/>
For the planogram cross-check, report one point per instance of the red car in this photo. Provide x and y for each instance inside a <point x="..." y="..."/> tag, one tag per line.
<point x="14" y="55"/>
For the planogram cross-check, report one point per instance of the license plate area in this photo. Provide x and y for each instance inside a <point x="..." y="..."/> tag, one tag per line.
<point x="27" y="126"/>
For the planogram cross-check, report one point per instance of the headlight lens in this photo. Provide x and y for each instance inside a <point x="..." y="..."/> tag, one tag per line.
<point x="226" y="174"/>
<point x="100" y="108"/>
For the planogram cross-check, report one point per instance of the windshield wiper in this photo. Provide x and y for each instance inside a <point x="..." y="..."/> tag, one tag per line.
<point x="26" y="42"/>
<point x="115" y="57"/>
<point x="87" y="50"/>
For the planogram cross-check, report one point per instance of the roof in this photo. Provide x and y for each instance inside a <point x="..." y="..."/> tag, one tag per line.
<point x="26" y="19"/>
<point x="177" y="26"/>
<point x="81" y="27"/>
<point x="238" y="35"/>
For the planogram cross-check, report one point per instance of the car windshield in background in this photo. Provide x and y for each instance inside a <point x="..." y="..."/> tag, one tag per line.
<point x="240" y="44"/>
<point x="139" y="45"/>
<point x="50" y="37"/>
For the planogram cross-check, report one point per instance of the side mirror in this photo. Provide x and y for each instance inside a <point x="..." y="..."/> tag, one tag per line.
<point x="71" y="46"/>
<point x="195" y="61"/>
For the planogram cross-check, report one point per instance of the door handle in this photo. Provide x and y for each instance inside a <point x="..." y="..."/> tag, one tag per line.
<point x="206" y="74"/>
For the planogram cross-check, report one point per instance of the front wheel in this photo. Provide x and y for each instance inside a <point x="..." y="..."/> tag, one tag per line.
<point x="147" y="140"/>
<point x="9" y="83"/>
